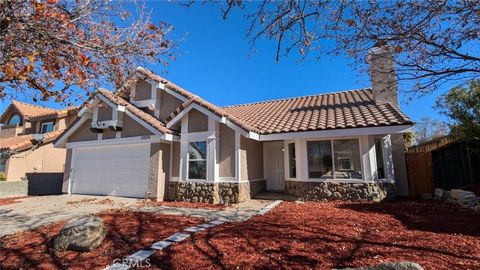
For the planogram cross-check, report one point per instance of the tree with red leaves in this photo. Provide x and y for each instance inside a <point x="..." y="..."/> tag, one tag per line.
<point x="50" y="49"/>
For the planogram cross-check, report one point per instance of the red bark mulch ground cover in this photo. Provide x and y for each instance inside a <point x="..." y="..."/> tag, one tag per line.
<point x="7" y="201"/>
<point x="127" y="233"/>
<point x="336" y="235"/>
<point x="183" y="204"/>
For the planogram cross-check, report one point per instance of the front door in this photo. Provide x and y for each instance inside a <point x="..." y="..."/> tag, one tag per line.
<point x="274" y="165"/>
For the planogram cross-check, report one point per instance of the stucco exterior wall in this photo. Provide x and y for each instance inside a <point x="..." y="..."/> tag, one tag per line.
<point x="104" y="112"/>
<point x="168" y="104"/>
<point x="399" y="164"/>
<point x="227" y="152"/>
<point x="159" y="170"/>
<point x="142" y="91"/>
<point x="67" y="168"/>
<point x="46" y="158"/>
<point x="175" y="159"/>
<point x="251" y="163"/>
<point x="9" y="131"/>
<point x="83" y="133"/>
<point x="197" y="121"/>
<point x="108" y="134"/>
<point x="132" y="128"/>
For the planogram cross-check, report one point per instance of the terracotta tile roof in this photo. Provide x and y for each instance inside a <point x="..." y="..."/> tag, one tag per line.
<point x="24" y="142"/>
<point x="36" y="112"/>
<point x="136" y="111"/>
<point x="348" y="109"/>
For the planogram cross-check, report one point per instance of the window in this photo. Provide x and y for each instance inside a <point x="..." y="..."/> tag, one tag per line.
<point x="3" y="163"/>
<point x="292" y="167"/>
<point x="347" y="159"/>
<point x="15" y="120"/>
<point x="46" y="127"/>
<point x="197" y="160"/>
<point x="380" y="158"/>
<point x="338" y="159"/>
<point x="319" y="159"/>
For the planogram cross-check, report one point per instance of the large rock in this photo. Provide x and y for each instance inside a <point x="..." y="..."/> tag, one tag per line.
<point x="460" y="195"/>
<point x="390" y="266"/>
<point x="82" y="234"/>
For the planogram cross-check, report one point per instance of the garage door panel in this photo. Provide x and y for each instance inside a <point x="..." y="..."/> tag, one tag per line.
<point x="120" y="170"/>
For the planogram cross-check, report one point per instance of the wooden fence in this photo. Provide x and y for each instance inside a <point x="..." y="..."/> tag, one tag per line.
<point x="420" y="173"/>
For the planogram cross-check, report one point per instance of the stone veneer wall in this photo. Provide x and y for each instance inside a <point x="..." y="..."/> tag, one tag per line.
<point x="224" y="193"/>
<point x="329" y="191"/>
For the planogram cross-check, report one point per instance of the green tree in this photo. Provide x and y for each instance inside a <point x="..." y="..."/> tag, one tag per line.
<point x="462" y="106"/>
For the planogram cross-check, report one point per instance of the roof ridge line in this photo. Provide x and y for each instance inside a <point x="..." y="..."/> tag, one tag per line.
<point x="297" y="97"/>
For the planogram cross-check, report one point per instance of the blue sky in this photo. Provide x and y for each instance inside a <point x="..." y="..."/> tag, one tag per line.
<point x="215" y="62"/>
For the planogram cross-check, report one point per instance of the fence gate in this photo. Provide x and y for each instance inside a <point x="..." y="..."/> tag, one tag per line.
<point x="420" y="173"/>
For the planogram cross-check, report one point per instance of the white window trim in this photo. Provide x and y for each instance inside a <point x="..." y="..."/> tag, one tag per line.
<point x="287" y="160"/>
<point x="206" y="163"/>
<point x="46" y="123"/>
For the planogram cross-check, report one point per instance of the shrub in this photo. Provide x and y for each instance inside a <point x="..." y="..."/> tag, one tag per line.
<point x="3" y="177"/>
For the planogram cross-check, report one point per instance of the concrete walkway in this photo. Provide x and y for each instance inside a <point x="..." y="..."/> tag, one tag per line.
<point x="237" y="212"/>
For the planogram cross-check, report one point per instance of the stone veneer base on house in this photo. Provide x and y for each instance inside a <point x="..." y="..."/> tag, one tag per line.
<point x="329" y="191"/>
<point x="223" y="193"/>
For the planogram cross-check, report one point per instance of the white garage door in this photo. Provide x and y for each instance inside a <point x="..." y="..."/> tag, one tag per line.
<point x="112" y="170"/>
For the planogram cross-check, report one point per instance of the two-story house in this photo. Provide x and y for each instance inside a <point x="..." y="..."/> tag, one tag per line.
<point x="26" y="135"/>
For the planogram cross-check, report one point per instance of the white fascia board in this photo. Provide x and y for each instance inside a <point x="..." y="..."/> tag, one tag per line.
<point x="337" y="133"/>
<point x="110" y="142"/>
<point x="62" y="141"/>
<point x="175" y="94"/>
<point x="108" y="102"/>
<point x="197" y="107"/>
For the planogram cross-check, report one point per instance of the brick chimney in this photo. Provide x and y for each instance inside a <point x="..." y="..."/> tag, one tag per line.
<point x="382" y="73"/>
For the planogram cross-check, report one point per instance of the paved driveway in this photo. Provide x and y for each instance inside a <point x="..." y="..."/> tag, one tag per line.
<point x="32" y="212"/>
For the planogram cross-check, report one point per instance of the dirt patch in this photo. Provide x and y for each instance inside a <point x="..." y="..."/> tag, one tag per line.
<point x="182" y="204"/>
<point x="127" y="233"/>
<point x="336" y="235"/>
<point x="7" y="201"/>
<point x="82" y="201"/>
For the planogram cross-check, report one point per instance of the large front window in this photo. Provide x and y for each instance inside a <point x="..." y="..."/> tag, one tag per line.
<point x="338" y="159"/>
<point x="197" y="160"/>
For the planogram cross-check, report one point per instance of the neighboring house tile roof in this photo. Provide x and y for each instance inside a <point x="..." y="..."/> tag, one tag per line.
<point x="348" y="109"/>
<point x="136" y="111"/>
<point x="35" y="112"/>
<point x="24" y="142"/>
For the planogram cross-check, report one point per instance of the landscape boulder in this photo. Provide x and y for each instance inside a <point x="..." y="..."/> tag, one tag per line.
<point x="390" y="266"/>
<point x="81" y="234"/>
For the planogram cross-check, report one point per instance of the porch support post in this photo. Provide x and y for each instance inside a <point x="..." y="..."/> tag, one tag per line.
<point x="369" y="158"/>
<point x="183" y="151"/>
<point x="387" y="145"/>
<point x="238" y="157"/>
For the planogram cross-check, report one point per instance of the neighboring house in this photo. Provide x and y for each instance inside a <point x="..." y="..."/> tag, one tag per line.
<point x="27" y="133"/>
<point x="152" y="138"/>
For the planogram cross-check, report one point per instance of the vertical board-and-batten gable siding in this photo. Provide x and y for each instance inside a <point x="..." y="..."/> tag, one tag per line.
<point x="197" y="121"/>
<point x="251" y="154"/>
<point x="226" y="152"/>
